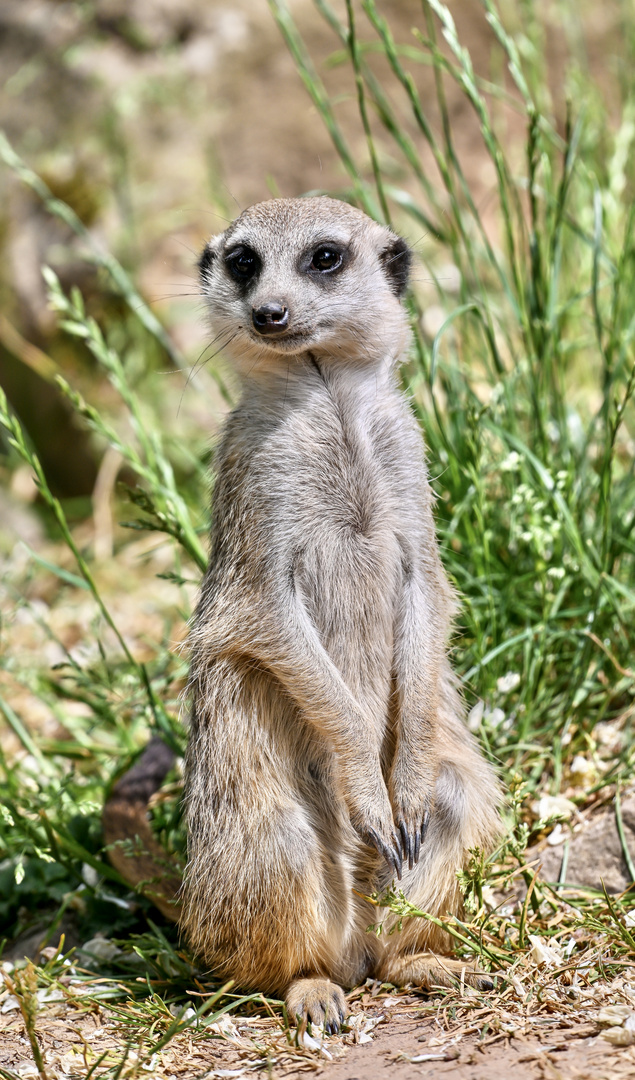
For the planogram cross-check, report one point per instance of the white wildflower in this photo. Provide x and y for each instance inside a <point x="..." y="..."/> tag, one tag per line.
<point x="551" y="806"/>
<point x="508" y="682"/>
<point x="495" y="717"/>
<point x="90" y="875"/>
<point x="475" y="715"/>
<point x="556" y="836"/>
<point x="511" y="462"/>
<point x="582" y="771"/>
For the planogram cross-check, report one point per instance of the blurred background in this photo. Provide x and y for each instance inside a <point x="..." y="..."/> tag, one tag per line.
<point x="157" y="122"/>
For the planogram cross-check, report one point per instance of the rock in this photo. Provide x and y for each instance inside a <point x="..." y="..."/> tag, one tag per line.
<point x="595" y="852"/>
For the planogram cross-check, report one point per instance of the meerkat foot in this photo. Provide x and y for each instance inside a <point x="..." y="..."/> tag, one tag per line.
<point x="431" y="971"/>
<point x="319" y="1001"/>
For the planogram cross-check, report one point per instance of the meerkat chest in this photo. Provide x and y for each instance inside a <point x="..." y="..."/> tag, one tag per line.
<point x="348" y="507"/>
<point x="348" y="556"/>
<point x="345" y="495"/>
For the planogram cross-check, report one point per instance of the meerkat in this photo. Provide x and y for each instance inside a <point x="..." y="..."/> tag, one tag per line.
<point x="327" y="755"/>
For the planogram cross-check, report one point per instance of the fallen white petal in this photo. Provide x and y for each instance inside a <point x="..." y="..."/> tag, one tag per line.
<point x="90" y="875"/>
<point x="100" y="948"/>
<point x="541" y="953"/>
<point x="225" y="1027"/>
<point x="614" y="1014"/>
<point x="182" y="1012"/>
<point x="49" y="994"/>
<point x="619" y="1036"/>
<point x="309" y="1043"/>
<point x="362" y="1023"/>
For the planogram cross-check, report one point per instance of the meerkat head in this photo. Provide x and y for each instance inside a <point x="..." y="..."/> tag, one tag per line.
<point x="297" y="276"/>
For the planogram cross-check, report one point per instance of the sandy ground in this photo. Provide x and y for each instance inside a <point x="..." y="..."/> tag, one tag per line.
<point x="401" y="1043"/>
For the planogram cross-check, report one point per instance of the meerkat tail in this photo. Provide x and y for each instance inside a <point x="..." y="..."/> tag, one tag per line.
<point x="132" y="848"/>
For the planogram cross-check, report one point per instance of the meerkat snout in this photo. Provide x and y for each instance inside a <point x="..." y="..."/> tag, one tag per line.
<point x="270" y="318"/>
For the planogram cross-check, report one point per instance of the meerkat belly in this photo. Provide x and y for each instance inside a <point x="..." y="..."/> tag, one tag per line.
<point x="348" y="571"/>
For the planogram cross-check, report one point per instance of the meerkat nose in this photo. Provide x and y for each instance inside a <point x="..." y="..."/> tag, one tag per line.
<point x="270" y="318"/>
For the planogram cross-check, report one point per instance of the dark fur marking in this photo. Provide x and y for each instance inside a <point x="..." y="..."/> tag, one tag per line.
<point x="205" y="261"/>
<point x="396" y="259"/>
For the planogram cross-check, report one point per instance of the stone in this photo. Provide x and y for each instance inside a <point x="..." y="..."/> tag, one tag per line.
<point x="595" y="852"/>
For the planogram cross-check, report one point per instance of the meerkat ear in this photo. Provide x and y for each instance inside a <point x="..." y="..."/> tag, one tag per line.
<point x="396" y="258"/>
<point x="207" y="257"/>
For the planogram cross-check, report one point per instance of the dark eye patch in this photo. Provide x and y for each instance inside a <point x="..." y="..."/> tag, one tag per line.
<point x="243" y="264"/>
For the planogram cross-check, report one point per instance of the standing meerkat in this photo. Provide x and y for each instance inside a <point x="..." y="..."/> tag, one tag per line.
<point x="327" y="754"/>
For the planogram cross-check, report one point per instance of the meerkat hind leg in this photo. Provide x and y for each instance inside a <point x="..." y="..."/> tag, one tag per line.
<point x="464" y="818"/>
<point x="430" y="971"/>
<point x="319" y="1000"/>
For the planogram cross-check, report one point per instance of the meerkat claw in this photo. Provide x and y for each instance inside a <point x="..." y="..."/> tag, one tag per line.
<point x="392" y="855"/>
<point x="407" y="844"/>
<point x="319" y="1002"/>
<point x="417" y="849"/>
<point x="397" y="859"/>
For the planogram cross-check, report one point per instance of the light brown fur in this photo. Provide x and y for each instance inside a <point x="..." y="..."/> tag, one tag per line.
<point x="327" y="740"/>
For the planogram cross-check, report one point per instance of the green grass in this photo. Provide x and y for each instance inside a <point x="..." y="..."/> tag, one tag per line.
<point x="525" y="395"/>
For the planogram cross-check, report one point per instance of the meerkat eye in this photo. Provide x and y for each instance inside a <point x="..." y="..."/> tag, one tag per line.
<point x="242" y="263"/>
<point x="326" y="259"/>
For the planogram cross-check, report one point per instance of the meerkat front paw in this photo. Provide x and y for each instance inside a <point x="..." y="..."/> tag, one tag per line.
<point x="412" y="805"/>
<point x="319" y="1001"/>
<point x="372" y="818"/>
<point x="412" y="830"/>
<point x="385" y="841"/>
